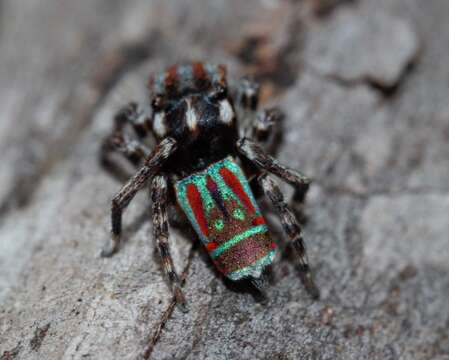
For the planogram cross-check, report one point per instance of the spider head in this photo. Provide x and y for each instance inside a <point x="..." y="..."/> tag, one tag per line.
<point x="193" y="115"/>
<point x="190" y="100"/>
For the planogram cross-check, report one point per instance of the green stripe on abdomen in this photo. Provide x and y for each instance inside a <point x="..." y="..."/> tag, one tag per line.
<point x="253" y="269"/>
<point x="237" y="238"/>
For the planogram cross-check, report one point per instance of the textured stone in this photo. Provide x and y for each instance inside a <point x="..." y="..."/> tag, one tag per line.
<point x="417" y="219"/>
<point x="355" y="45"/>
<point x="377" y="212"/>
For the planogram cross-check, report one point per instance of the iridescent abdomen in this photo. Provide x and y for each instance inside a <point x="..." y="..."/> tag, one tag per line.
<point x="221" y="208"/>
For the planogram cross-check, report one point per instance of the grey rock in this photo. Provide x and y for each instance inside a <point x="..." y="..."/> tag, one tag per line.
<point x="377" y="212"/>
<point x="359" y="45"/>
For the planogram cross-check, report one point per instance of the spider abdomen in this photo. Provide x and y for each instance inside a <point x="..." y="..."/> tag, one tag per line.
<point x="221" y="208"/>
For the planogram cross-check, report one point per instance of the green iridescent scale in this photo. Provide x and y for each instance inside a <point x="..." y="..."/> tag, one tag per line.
<point x="200" y="180"/>
<point x="221" y="207"/>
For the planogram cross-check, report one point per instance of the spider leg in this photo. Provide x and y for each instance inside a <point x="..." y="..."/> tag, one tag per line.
<point x="133" y="150"/>
<point x="246" y="95"/>
<point x="258" y="125"/>
<point x="160" y="232"/>
<point x="132" y="114"/>
<point x="253" y="152"/>
<point x="263" y="123"/>
<point x="292" y="229"/>
<point x="121" y="200"/>
<point x="119" y="141"/>
<point x="259" y="158"/>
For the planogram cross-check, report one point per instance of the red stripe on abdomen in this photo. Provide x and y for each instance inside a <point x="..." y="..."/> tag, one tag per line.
<point x="196" y="203"/>
<point x="211" y="246"/>
<point x="258" y="221"/>
<point x="233" y="182"/>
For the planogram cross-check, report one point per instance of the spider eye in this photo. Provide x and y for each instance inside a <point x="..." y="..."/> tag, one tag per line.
<point x="158" y="103"/>
<point x="219" y="93"/>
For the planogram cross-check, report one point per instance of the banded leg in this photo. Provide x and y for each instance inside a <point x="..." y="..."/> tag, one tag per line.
<point x="253" y="152"/>
<point x="118" y="141"/>
<point x="258" y="124"/>
<point x="131" y="149"/>
<point x="292" y="229"/>
<point x="246" y="96"/>
<point x="132" y="115"/>
<point x="264" y="122"/>
<point x="160" y="233"/>
<point x="120" y="201"/>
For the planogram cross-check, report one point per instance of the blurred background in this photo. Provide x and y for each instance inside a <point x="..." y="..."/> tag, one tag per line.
<point x="365" y="87"/>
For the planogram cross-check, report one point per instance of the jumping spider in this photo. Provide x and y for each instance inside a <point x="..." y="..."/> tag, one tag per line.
<point x="207" y="164"/>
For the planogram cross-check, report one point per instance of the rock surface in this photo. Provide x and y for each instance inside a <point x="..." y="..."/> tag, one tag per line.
<point x="359" y="45"/>
<point x="365" y="88"/>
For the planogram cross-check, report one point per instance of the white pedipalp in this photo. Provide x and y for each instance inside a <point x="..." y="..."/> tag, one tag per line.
<point x="159" y="125"/>
<point x="226" y="112"/>
<point x="191" y="117"/>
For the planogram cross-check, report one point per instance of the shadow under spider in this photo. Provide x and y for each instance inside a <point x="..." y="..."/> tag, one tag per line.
<point x="132" y="228"/>
<point x="245" y="286"/>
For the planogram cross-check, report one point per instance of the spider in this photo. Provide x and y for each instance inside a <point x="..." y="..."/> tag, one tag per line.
<point x="207" y="164"/>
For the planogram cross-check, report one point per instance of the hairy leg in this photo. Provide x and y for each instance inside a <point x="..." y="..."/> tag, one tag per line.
<point x="292" y="229"/>
<point x="246" y="94"/>
<point x="254" y="153"/>
<point x="120" y="201"/>
<point x="118" y="141"/>
<point x="257" y="125"/>
<point x="264" y="123"/>
<point x="131" y="114"/>
<point x="160" y="233"/>
<point x="301" y="183"/>
<point x="246" y="102"/>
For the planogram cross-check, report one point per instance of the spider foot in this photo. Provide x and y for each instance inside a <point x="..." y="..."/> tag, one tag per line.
<point x="110" y="247"/>
<point x="180" y="299"/>
<point x="260" y="284"/>
<point x="297" y="204"/>
<point x="299" y="211"/>
<point x="310" y="285"/>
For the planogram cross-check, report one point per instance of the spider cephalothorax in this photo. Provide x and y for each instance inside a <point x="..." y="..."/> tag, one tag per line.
<point x="201" y="162"/>
<point x="193" y="107"/>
